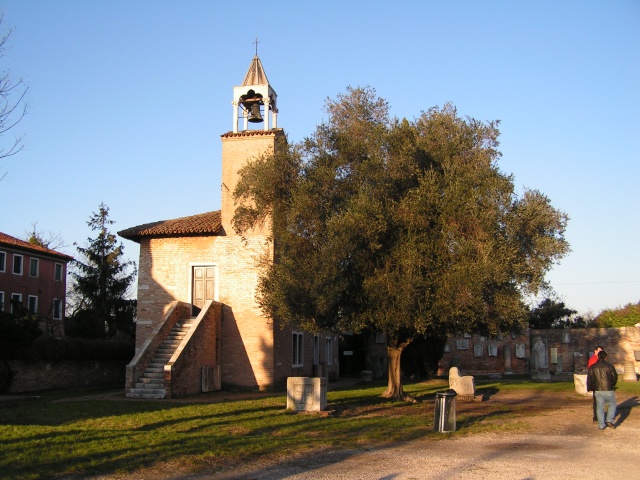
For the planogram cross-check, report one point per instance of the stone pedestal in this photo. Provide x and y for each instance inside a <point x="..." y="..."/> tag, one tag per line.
<point x="366" y="376"/>
<point x="306" y="394"/>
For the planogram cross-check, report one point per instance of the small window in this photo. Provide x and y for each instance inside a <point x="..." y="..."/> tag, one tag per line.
<point x="1" y="301"/>
<point x="57" y="309"/>
<point x="16" y="300"/>
<point x="33" y="304"/>
<point x="297" y="341"/>
<point x="34" y="267"/>
<point x="17" y="264"/>
<point x="328" y="343"/>
<point x="3" y="261"/>
<point x="58" y="273"/>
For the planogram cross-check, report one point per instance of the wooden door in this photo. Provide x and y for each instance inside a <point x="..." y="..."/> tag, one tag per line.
<point x="203" y="287"/>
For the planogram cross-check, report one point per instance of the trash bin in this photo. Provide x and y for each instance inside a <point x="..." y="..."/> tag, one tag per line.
<point x="444" y="419"/>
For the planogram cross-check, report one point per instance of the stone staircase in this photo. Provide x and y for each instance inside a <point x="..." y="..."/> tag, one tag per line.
<point x="151" y="382"/>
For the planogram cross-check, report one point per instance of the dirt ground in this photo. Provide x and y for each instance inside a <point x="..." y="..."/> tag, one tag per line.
<point x="557" y="441"/>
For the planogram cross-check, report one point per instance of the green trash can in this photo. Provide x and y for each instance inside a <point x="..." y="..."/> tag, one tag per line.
<point x="444" y="419"/>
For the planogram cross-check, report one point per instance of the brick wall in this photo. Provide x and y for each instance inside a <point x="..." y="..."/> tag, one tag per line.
<point x="182" y="374"/>
<point x="572" y="348"/>
<point x="164" y="276"/>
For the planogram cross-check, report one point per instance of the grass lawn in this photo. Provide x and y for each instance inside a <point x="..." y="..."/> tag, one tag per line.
<point x="66" y="433"/>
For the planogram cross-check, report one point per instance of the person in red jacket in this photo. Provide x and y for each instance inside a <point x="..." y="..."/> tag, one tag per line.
<point x="593" y="359"/>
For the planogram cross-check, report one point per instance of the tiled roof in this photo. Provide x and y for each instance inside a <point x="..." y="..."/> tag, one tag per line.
<point x="251" y="133"/>
<point x="14" y="242"/>
<point x="202" y="224"/>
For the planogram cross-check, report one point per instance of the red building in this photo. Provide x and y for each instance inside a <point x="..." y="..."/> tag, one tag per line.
<point x="34" y="277"/>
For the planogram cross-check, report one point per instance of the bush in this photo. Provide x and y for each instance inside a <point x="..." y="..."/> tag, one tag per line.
<point x="48" y="348"/>
<point x="626" y="316"/>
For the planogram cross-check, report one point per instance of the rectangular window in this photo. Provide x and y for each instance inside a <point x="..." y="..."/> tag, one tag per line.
<point x="34" y="269"/>
<point x="316" y="350"/>
<point x="17" y="264"/>
<point x="33" y="304"/>
<point x="328" y="343"/>
<point x="297" y="341"/>
<point x="57" y="276"/>
<point x="57" y="309"/>
<point x="16" y="300"/>
<point x="3" y="261"/>
<point x="1" y="301"/>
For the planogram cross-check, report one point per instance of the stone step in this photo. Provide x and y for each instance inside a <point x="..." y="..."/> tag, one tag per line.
<point x="149" y="386"/>
<point x="151" y="380"/>
<point x="145" y="390"/>
<point x="152" y="375"/>
<point x="146" y="395"/>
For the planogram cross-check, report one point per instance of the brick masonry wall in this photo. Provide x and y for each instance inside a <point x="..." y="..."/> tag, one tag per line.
<point x="247" y="336"/>
<point x="35" y="376"/>
<point x="572" y="349"/>
<point x="480" y="355"/>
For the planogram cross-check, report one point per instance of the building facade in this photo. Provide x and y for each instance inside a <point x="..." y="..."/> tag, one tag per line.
<point x="200" y="259"/>
<point x="34" y="278"/>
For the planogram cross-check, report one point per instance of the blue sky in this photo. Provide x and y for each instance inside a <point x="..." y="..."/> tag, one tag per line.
<point x="128" y="101"/>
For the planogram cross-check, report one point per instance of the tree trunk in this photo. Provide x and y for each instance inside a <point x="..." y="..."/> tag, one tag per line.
<point x="394" y="387"/>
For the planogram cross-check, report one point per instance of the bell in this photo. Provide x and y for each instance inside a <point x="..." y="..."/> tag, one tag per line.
<point x="254" y="116"/>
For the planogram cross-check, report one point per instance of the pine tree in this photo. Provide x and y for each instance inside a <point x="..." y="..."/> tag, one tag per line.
<point x="101" y="282"/>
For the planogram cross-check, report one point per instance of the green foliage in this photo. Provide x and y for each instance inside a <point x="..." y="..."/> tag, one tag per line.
<point x="408" y="228"/>
<point x="626" y="316"/>
<point x="51" y="349"/>
<point x="550" y="313"/>
<point x="101" y="281"/>
<point x="17" y="331"/>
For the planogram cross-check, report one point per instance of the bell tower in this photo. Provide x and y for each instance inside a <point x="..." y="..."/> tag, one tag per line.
<point x="254" y="102"/>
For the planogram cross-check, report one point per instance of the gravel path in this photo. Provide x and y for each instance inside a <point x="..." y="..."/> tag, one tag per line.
<point x="563" y="444"/>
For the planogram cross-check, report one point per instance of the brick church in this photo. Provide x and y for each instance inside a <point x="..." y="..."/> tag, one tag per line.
<point x="199" y="327"/>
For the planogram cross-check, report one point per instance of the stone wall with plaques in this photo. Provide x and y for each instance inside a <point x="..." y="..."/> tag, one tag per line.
<point x="566" y="351"/>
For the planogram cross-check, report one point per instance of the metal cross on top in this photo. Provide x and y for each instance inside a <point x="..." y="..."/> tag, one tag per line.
<point x="256" y="42"/>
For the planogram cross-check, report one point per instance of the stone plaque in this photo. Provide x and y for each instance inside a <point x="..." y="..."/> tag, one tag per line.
<point x="520" y="350"/>
<point x="462" y="344"/>
<point x="493" y="350"/>
<point x="566" y="337"/>
<point x="447" y="348"/>
<point x="553" y="353"/>
<point x="478" y="350"/>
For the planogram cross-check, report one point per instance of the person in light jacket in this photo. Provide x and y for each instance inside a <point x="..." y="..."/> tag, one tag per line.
<point x="601" y="380"/>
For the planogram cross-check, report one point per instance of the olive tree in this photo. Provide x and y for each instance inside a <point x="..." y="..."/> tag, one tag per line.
<point x="396" y="226"/>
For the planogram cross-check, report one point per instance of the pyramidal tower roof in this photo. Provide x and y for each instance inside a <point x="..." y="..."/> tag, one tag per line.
<point x="255" y="75"/>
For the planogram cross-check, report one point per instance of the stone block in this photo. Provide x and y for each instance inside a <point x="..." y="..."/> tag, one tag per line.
<point x="464" y="386"/>
<point x="306" y="394"/>
<point x="580" y="383"/>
